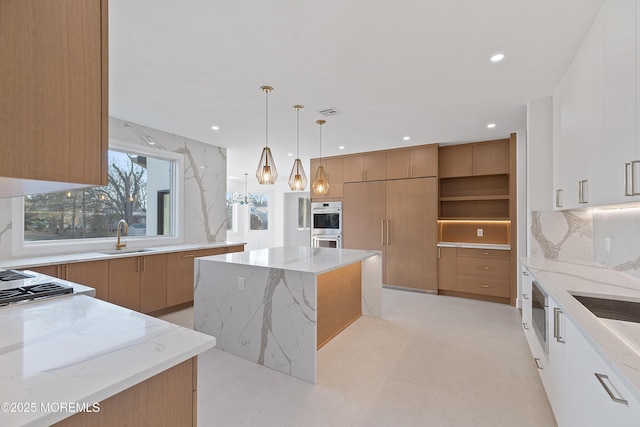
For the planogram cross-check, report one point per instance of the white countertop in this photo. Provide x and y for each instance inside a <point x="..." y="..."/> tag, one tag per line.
<point x="617" y="342"/>
<point x="296" y="258"/>
<point x="28" y="262"/>
<point x="474" y="245"/>
<point x="80" y="349"/>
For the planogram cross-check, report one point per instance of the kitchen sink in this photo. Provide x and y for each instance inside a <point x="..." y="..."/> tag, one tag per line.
<point x="124" y="251"/>
<point x="629" y="311"/>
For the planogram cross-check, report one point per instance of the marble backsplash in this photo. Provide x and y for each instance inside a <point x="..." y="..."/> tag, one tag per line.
<point x="610" y="237"/>
<point x="205" y="183"/>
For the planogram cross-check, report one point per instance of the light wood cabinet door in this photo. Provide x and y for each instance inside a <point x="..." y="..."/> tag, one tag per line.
<point x="54" y="112"/>
<point x="398" y="164"/>
<point x="124" y="282"/>
<point x="363" y="214"/>
<point x="49" y="270"/>
<point x="374" y="166"/>
<point x="353" y="167"/>
<point x="455" y="160"/>
<point x="410" y="248"/>
<point x="94" y="274"/>
<point x="491" y="158"/>
<point x="153" y="283"/>
<point x="180" y="277"/>
<point x="447" y="269"/>
<point x="424" y="161"/>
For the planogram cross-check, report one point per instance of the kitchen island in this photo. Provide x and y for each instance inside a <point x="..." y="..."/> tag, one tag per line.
<point x="75" y="359"/>
<point x="277" y="306"/>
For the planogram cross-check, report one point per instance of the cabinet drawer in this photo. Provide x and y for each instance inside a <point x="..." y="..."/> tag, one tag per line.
<point x="483" y="267"/>
<point x="483" y="253"/>
<point x="493" y="286"/>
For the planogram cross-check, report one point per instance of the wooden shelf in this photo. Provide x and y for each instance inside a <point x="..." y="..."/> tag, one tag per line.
<point x="475" y="218"/>
<point x="469" y="198"/>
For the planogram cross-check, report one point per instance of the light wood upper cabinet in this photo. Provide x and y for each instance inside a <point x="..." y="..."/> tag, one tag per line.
<point x="333" y="167"/>
<point x="54" y="111"/>
<point x="483" y="158"/>
<point x="364" y="167"/>
<point x="412" y="162"/>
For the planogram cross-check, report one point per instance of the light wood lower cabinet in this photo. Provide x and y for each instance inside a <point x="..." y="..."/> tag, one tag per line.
<point x="94" y="274"/>
<point x="124" y="282"/>
<point x="180" y="272"/>
<point x="153" y="283"/>
<point x="479" y="273"/>
<point x="167" y="399"/>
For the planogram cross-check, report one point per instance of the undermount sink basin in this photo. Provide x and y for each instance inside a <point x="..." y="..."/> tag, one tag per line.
<point x="124" y="251"/>
<point x="629" y="311"/>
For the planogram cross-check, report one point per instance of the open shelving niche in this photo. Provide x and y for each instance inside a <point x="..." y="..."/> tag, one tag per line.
<point x="475" y="197"/>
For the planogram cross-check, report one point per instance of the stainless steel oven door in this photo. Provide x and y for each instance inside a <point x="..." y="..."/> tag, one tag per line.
<point x="326" y="241"/>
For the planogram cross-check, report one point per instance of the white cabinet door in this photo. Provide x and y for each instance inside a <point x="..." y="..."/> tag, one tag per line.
<point x="620" y="101"/>
<point x="556" y="383"/>
<point x="587" y="401"/>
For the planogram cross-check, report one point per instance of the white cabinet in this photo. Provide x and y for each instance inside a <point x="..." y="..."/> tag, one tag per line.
<point x="579" y="123"/>
<point x="582" y="388"/>
<point x="589" y="382"/>
<point x="596" y="114"/>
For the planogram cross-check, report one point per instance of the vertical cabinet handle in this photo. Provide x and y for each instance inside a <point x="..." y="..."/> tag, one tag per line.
<point x="557" y="330"/>
<point x="633" y="166"/>
<point x="382" y="232"/>
<point x="602" y="378"/>
<point x="66" y="272"/>
<point x="559" y="198"/>
<point x="388" y="227"/>
<point x="583" y="191"/>
<point x="627" y="170"/>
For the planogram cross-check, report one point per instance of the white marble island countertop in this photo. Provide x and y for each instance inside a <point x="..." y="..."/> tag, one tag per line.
<point x="78" y="349"/>
<point x="617" y="342"/>
<point x="296" y="258"/>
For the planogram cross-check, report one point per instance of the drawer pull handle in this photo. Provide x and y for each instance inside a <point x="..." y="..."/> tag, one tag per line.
<point x="525" y="326"/>
<point x="188" y="256"/>
<point x="482" y="286"/>
<point x="483" y="268"/>
<point x="537" y="361"/>
<point x="484" y="253"/>
<point x="602" y="378"/>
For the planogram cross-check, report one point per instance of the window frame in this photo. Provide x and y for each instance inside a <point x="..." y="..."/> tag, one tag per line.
<point x="22" y="248"/>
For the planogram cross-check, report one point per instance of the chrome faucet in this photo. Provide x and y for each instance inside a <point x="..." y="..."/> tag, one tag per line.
<point x="126" y="231"/>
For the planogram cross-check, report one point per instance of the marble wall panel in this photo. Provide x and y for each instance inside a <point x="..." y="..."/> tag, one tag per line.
<point x="205" y="177"/>
<point x="621" y="228"/>
<point x="280" y="306"/>
<point x="565" y="235"/>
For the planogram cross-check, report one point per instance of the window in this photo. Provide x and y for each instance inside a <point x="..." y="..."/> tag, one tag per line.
<point x="139" y="191"/>
<point x="259" y="212"/>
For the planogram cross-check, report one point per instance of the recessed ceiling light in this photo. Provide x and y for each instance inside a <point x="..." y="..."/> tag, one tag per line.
<point x="491" y="125"/>
<point x="290" y="154"/>
<point x="406" y="138"/>
<point x="497" y="57"/>
<point x="341" y="147"/>
<point x="215" y="128"/>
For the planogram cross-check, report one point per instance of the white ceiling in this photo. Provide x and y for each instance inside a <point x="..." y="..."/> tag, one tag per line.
<point x="417" y="68"/>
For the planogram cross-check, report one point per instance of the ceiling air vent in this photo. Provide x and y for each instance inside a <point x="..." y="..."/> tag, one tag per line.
<point x="328" y="112"/>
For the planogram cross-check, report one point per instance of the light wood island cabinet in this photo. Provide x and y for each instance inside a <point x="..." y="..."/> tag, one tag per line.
<point x="54" y="110"/>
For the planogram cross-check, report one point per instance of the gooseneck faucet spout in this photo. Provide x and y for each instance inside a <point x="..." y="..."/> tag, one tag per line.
<point x="126" y="231"/>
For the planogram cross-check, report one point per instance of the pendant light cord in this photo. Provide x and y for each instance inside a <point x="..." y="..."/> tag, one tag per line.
<point x="266" y="118"/>
<point x="298" y="133"/>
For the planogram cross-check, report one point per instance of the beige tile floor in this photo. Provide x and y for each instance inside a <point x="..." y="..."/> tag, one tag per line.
<point x="432" y="361"/>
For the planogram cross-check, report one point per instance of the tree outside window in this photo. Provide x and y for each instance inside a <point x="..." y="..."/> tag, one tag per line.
<point x="259" y="212"/>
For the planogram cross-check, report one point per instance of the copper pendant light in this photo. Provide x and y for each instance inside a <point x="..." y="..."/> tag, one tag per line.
<point x="321" y="182"/>
<point x="297" y="178"/>
<point x="266" y="172"/>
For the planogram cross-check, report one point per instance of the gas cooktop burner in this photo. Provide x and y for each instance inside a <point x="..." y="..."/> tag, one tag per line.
<point x="8" y="275"/>
<point x="32" y="292"/>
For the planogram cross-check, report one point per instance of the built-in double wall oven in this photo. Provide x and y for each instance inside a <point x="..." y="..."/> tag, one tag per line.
<point x="539" y="305"/>
<point x="326" y="226"/>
